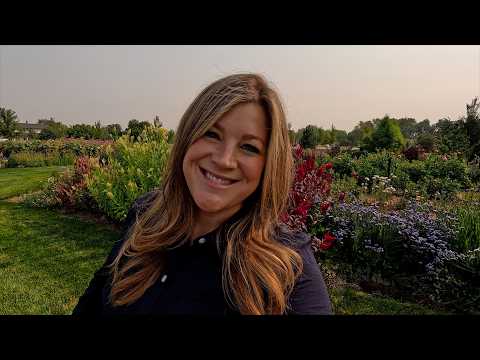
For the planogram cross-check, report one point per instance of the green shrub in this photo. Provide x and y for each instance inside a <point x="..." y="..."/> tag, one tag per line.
<point x="343" y="165"/>
<point x="128" y="170"/>
<point x="451" y="168"/>
<point x="37" y="159"/>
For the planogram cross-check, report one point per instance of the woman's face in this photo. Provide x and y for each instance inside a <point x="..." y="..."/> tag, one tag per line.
<point x="224" y="166"/>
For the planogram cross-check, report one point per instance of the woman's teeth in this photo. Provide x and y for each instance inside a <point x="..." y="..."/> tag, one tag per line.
<point x="216" y="179"/>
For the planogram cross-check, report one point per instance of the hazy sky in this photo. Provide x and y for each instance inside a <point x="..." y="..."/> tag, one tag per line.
<point x="320" y="85"/>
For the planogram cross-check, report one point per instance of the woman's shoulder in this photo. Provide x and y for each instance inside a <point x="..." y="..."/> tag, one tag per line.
<point x="139" y="206"/>
<point x="291" y="238"/>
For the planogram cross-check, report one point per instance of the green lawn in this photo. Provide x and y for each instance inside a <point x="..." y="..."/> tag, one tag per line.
<point x="18" y="181"/>
<point x="47" y="259"/>
<point x="353" y="302"/>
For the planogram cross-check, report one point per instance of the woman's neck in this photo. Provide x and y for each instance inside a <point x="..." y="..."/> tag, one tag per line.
<point x="207" y="222"/>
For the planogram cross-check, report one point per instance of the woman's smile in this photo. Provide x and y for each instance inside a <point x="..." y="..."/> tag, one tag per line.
<point x="216" y="181"/>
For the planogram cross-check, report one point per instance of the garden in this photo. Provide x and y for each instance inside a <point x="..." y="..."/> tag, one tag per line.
<point x="394" y="232"/>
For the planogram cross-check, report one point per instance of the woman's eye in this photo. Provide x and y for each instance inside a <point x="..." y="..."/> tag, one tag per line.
<point x="251" y="148"/>
<point x="211" y="134"/>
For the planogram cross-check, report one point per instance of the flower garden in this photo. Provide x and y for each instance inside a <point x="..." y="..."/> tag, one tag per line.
<point x="386" y="223"/>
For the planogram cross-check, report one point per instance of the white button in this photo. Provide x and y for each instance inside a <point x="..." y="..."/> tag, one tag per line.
<point x="202" y="241"/>
<point x="164" y="277"/>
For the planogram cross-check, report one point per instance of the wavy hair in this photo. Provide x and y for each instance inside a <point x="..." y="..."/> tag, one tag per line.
<point x="259" y="271"/>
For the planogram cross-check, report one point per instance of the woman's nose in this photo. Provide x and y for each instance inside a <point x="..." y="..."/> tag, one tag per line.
<point x="225" y="157"/>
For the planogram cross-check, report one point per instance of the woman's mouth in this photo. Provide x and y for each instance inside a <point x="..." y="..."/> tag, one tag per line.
<point x="216" y="180"/>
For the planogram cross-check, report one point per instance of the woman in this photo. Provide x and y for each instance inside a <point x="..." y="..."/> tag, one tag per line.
<point x="210" y="241"/>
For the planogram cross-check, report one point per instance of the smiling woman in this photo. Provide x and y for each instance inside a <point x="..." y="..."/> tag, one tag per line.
<point x="210" y="240"/>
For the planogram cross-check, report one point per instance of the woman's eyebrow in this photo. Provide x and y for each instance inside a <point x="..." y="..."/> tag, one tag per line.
<point x="246" y="136"/>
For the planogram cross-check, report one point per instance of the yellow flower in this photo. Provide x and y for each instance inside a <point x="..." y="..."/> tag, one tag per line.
<point x="110" y="195"/>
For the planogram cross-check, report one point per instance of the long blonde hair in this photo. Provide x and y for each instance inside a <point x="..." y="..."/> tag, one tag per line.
<point x="259" y="272"/>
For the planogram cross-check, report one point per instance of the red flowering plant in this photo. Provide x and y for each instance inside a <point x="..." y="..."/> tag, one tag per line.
<point x="70" y="190"/>
<point x="309" y="201"/>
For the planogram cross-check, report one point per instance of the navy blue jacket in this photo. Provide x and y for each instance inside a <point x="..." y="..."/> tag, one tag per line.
<point x="191" y="282"/>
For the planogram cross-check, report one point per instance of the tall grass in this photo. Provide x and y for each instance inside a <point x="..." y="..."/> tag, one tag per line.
<point x="468" y="237"/>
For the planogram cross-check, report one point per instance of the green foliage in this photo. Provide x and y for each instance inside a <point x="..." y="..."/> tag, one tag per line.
<point x="468" y="236"/>
<point x="426" y="141"/>
<point x="8" y="123"/>
<point x="343" y="165"/>
<point x="34" y="159"/>
<point x="130" y="169"/>
<point x="373" y="164"/>
<point x="47" y="258"/>
<point x="361" y="131"/>
<point x="386" y="135"/>
<point x="54" y="130"/>
<point x="170" y="136"/>
<point x="135" y="128"/>
<point x="451" y="136"/>
<point x="62" y="146"/>
<point x="309" y="137"/>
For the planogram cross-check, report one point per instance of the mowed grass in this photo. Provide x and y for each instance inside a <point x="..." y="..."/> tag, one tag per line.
<point x="18" y="181"/>
<point x="47" y="259"/>
<point x="348" y="301"/>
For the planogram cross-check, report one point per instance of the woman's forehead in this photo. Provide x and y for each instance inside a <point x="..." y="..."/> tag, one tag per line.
<point x="245" y="120"/>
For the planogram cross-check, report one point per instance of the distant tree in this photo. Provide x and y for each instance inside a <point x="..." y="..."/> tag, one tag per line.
<point x="360" y="131"/>
<point x="421" y="128"/>
<point x="308" y="139"/>
<point x="136" y="127"/>
<point x="407" y="127"/>
<point x="8" y="123"/>
<point x="341" y="137"/>
<point x="387" y="135"/>
<point x="426" y="141"/>
<point x="84" y="131"/>
<point x="54" y="130"/>
<point x="451" y="136"/>
<point x="114" y="131"/>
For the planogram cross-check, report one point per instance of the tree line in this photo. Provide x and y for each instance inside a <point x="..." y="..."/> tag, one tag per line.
<point x="10" y="128"/>
<point x="461" y="136"/>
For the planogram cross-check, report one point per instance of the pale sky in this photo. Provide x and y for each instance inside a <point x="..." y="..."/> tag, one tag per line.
<point x="320" y="85"/>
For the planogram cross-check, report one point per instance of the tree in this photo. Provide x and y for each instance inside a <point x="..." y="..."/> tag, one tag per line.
<point x="422" y="127"/>
<point x="54" y="130"/>
<point x="341" y="137"/>
<point x="8" y="123"/>
<point x="426" y="141"/>
<point x="136" y="127"/>
<point x="451" y="136"/>
<point x="114" y="131"/>
<point x="407" y="127"/>
<point x="308" y="139"/>
<point x="387" y="135"/>
<point x="362" y="130"/>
